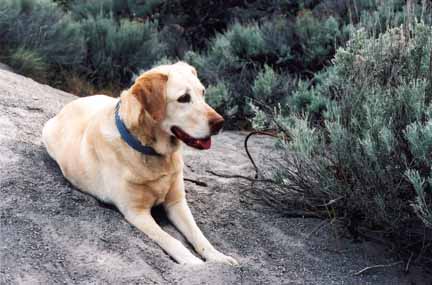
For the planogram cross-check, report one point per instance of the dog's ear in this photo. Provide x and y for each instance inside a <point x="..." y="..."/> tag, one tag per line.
<point x="150" y="90"/>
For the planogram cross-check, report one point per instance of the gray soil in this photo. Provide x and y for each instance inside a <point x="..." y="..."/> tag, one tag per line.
<point x="52" y="233"/>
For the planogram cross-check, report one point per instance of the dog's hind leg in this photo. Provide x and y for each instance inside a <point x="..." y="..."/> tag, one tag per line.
<point x="145" y="222"/>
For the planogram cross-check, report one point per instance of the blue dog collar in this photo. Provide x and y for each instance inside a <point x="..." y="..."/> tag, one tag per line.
<point x="132" y="141"/>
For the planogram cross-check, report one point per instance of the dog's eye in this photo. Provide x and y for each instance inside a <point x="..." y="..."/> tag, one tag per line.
<point x="186" y="98"/>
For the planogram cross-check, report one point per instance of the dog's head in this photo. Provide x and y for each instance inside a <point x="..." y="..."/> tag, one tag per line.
<point x="172" y="97"/>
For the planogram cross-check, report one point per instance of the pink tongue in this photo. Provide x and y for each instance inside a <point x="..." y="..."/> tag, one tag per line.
<point x="203" y="143"/>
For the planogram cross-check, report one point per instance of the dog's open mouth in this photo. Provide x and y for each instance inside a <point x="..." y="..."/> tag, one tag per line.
<point x="202" y="143"/>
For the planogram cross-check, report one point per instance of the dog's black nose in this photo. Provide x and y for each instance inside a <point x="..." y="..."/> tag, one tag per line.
<point x="216" y="124"/>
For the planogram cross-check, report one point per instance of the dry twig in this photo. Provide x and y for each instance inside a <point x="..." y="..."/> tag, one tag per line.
<point x="408" y="263"/>
<point x="238" y="176"/>
<point x="376" y="266"/>
<point x="247" y="150"/>
<point x="317" y="228"/>
<point x="197" y="182"/>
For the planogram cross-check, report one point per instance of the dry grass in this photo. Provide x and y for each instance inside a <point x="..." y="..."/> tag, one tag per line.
<point x="78" y="85"/>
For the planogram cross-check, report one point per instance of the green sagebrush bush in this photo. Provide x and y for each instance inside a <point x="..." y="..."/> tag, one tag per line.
<point x="317" y="38"/>
<point x="229" y="64"/>
<point x="29" y="62"/>
<point x="116" y="46"/>
<point x="184" y="24"/>
<point x="41" y="40"/>
<point x="260" y="62"/>
<point x="37" y="35"/>
<point x="358" y="144"/>
<point x="379" y="16"/>
<point x="118" y="8"/>
<point x="293" y="46"/>
<point x="115" y="51"/>
<point x="82" y="9"/>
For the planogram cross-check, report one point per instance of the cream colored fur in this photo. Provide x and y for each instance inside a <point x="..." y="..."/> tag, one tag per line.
<point x="84" y="141"/>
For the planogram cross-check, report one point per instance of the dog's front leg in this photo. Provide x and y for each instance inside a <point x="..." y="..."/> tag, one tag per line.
<point x="144" y="221"/>
<point x="181" y="216"/>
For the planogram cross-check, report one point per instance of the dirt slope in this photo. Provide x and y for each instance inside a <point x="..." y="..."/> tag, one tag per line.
<point x="51" y="233"/>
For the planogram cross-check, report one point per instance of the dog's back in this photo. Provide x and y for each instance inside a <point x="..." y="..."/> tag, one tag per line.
<point x="62" y="135"/>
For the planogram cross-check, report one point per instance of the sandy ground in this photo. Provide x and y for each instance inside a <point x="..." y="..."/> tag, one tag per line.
<point x="53" y="234"/>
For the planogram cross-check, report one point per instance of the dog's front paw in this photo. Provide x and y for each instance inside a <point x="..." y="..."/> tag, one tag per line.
<point x="217" y="256"/>
<point x="190" y="260"/>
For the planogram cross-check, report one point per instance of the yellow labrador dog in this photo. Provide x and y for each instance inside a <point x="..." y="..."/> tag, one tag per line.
<point x="127" y="151"/>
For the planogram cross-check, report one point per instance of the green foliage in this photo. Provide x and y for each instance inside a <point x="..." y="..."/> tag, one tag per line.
<point x="108" y="43"/>
<point x="195" y="21"/>
<point x="258" y="62"/>
<point x="384" y="15"/>
<point x="422" y="201"/>
<point x="28" y="62"/>
<point x="271" y="88"/>
<point x="217" y="95"/>
<point x="41" y="40"/>
<point x="360" y="139"/>
<point x="142" y="8"/>
<point x="318" y="39"/>
<point x="306" y="100"/>
<point x="278" y="35"/>
<point x="36" y="32"/>
<point x="230" y="42"/>
<point x="265" y="83"/>
<point x="248" y="60"/>
<point x="419" y="137"/>
<point x="245" y="41"/>
<point x="81" y="9"/>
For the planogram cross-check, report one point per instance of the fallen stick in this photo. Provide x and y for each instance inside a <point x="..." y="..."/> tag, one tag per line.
<point x="197" y="182"/>
<point x="376" y="266"/>
<point x="238" y="176"/>
<point x="317" y="228"/>
<point x="408" y="263"/>
<point x="247" y="150"/>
